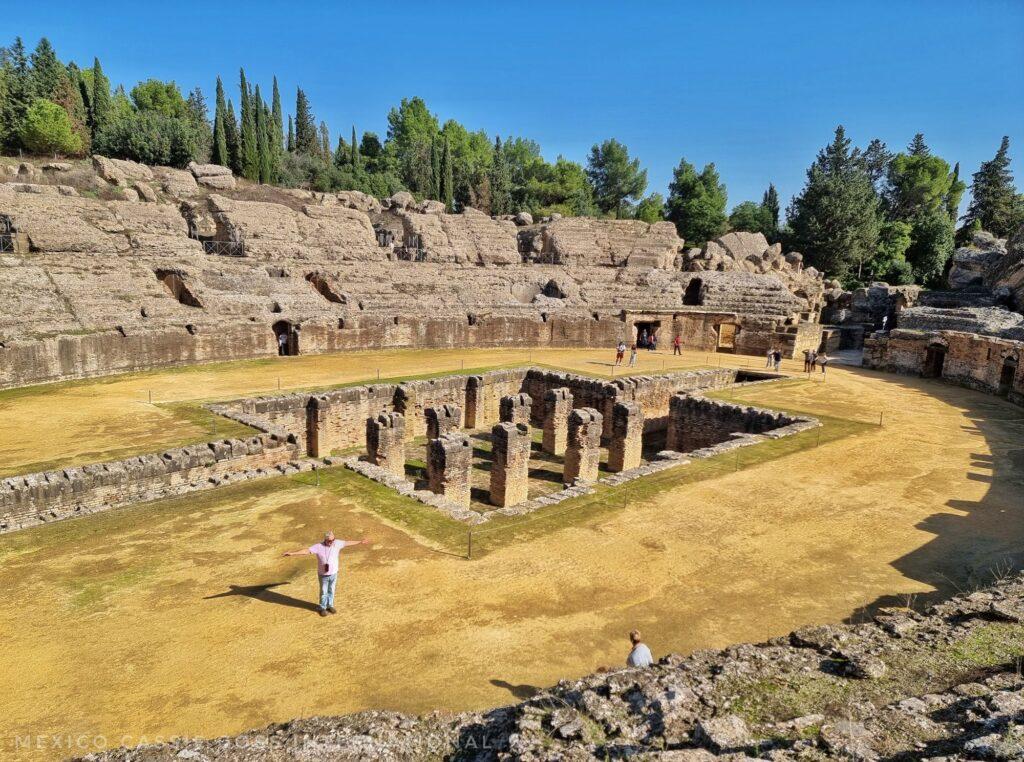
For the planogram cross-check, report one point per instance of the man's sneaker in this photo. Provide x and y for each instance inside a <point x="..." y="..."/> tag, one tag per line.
<point x="323" y="612"/>
<point x="332" y="610"/>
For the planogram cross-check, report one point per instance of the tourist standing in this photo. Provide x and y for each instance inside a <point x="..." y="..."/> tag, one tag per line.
<point x="676" y="345"/>
<point x="777" y="359"/>
<point x="282" y="344"/>
<point x="769" y="357"/>
<point x="814" y="358"/>
<point x="823" y="362"/>
<point x="807" y="361"/>
<point x="640" y="654"/>
<point x="620" y="352"/>
<point x="326" y="553"/>
<point x="632" y="356"/>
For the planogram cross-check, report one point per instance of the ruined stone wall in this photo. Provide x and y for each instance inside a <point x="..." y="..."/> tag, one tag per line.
<point x="970" y="360"/>
<point x="697" y="422"/>
<point x="53" y="495"/>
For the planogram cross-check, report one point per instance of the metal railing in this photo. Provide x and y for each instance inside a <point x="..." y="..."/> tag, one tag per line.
<point x="225" y="248"/>
<point x="8" y="243"/>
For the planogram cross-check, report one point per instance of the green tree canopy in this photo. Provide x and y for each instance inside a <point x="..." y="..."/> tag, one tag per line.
<point x="752" y="218"/>
<point x="47" y="129"/>
<point x="696" y="203"/>
<point x="158" y="97"/>
<point x="651" y="208"/>
<point x="616" y="178"/>
<point x="995" y="205"/>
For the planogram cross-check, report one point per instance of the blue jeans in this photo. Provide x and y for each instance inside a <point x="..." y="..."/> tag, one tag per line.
<point x="327" y="583"/>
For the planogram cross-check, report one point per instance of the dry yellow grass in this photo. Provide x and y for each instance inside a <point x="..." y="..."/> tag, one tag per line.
<point x="110" y="629"/>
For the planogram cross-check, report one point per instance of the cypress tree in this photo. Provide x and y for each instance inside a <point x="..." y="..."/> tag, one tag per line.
<point x="956" y="192"/>
<point x="48" y="74"/>
<point x="290" y="144"/>
<point x="434" y="191"/>
<point x="447" y="193"/>
<point x="342" y="154"/>
<point x="219" y="154"/>
<point x="355" y="149"/>
<point x="770" y="203"/>
<point x="325" y="143"/>
<point x="233" y="139"/>
<point x="994" y="201"/>
<point x="101" y="101"/>
<point x="501" y="181"/>
<point x="278" y="120"/>
<point x="250" y="158"/>
<point x="262" y="148"/>
<point x="305" y="128"/>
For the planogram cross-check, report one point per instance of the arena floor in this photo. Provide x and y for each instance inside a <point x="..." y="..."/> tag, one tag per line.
<point x="182" y="618"/>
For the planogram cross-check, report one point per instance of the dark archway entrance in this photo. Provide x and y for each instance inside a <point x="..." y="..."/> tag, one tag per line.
<point x="934" y="359"/>
<point x="647" y="334"/>
<point x="692" y="295"/>
<point x="1006" y="376"/>
<point x="286" y="335"/>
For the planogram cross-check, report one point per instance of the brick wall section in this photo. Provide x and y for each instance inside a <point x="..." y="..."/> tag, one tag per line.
<point x="510" y="464"/>
<point x="583" y="449"/>
<point x="442" y="420"/>
<point x="52" y="495"/>
<point x="516" y="408"/>
<point x="977" y="362"/>
<point x="449" y="464"/>
<point x="385" y="442"/>
<point x="626" y="443"/>
<point x="697" y="422"/>
<point x="557" y="406"/>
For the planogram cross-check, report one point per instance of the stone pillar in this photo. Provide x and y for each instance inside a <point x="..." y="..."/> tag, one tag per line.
<point x="316" y="420"/>
<point x="510" y="448"/>
<point x="449" y="467"/>
<point x="442" y="420"/>
<point x="677" y="417"/>
<point x="516" y="409"/>
<point x="474" y="402"/>
<point x="626" y="440"/>
<point x="583" y="453"/>
<point x="385" y="442"/>
<point x="557" y="406"/>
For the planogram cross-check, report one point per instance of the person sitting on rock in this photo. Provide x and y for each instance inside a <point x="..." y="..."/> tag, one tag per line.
<point x="640" y="655"/>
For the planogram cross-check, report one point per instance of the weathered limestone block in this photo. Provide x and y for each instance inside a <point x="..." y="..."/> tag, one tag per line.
<point x="557" y="406"/>
<point x="121" y="171"/>
<point x="474" y="402"/>
<point x="515" y="408"/>
<point x="449" y="465"/>
<point x="385" y="442"/>
<point x="675" y="438"/>
<point x="626" y="436"/>
<point x="510" y="448"/>
<point x="442" y="420"/>
<point x="583" y="451"/>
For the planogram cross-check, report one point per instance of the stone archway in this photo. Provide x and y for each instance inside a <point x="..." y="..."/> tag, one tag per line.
<point x="1007" y="373"/>
<point x="286" y="337"/>
<point x="934" y="360"/>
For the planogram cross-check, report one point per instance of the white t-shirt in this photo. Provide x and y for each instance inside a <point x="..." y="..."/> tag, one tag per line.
<point x="640" y="656"/>
<point x="327" y="557"/>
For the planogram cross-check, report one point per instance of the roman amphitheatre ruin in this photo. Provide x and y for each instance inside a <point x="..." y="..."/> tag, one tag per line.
<point x="198" y="374"/>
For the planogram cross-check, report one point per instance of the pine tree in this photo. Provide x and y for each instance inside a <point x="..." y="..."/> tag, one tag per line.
<point x="917" y="146"/>
<point x="199" y="116"/>
<point x="834" y="219"/>
<point x="305" y="128"/>
<point x="956" y="192"/>
<point x="696" y="203"/>
<point x="994" y="201"/>
<point x="19" y="94"/>
<point x="355" y="150"/>
<point x="48" y="74"/>
<point x="500" y="178"/>
<point x="233" y="139"/>
<point x="770" y="203"/>
<point x="446" y="190"/>
<point x="101" y="102"/>
<point x="219" y="154"/>
<point x="249" y="144"/>
<point x="290" y="143"/>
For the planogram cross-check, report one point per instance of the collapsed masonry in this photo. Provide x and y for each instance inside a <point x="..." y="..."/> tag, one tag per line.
<point x="173" y="266"/>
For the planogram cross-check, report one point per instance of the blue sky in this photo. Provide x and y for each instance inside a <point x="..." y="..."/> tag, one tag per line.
<point x="756" y="87"/>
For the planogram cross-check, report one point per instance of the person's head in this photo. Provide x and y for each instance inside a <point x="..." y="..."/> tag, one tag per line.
<point x="328" y="537"/>
<point x="634" y="637"/>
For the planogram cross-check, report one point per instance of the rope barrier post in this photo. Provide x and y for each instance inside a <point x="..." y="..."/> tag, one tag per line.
<point x="150" y="396"/>
<point x="737" y="459"/>
<point x="316" y="471"/>
<point x="279" y="383"/>
<point x="818" y="443"/>
<point x="469" y="545"/>
<point x="879" y="417"/>
<point x="378" y="374"/>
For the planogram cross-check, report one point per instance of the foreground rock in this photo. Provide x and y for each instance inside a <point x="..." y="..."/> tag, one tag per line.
<point x="944" y="685"/>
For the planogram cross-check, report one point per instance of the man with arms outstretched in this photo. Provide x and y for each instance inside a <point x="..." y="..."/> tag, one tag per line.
<point x="326" y="553"/>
